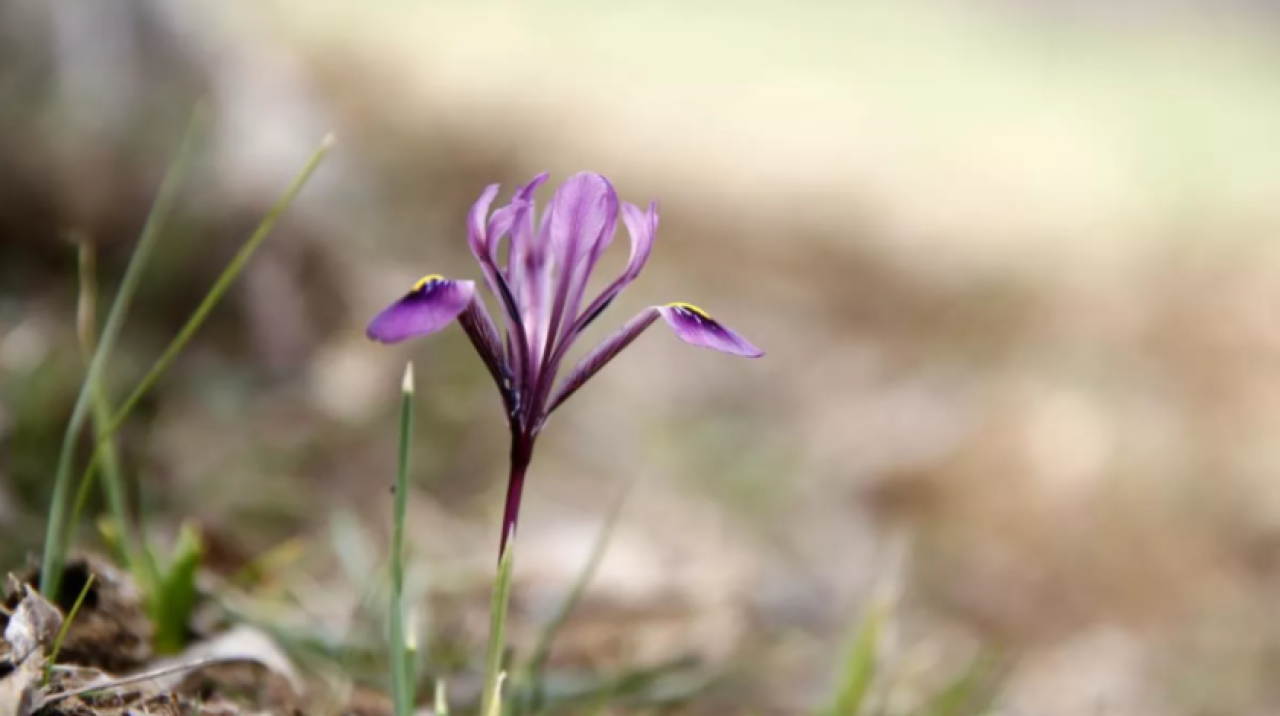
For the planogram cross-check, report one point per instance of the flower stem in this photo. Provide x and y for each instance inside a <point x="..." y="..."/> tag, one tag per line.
<point x="521" y="454"/>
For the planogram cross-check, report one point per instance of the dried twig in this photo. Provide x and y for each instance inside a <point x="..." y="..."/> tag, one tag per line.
<point x="137" y="678"/>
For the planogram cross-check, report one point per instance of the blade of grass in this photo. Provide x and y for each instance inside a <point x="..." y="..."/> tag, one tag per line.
<point x="542" y="649"/>
<point x="171" y="604"/>
<point x="495" y="706"/>
<point x="971" y="693"/>
<point x="66" y="627"/>
<point x="442" y="699"/>
<point x="211" y="299"/>
<point x="860" y="664"/>
<point x="57" y="530"/>
<point x="402" y="681"/>
<point x="87" y="330"/>
<point x="639" y="687"/>
<point x="493" y="674"/>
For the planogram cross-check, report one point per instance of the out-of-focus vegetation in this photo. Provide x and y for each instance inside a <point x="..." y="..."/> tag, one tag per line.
<point x="1014" y="266"/>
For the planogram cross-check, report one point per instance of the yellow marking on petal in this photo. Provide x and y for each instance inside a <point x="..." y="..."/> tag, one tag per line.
<point x="691" y="307"/>
<point x="422" y="282"/>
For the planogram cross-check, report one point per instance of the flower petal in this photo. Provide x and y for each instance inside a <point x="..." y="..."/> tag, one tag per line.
<point x="477" y="234"/>
<point x="601" y="355"/>
<point x="431" y="305"/>
<point x="480" y="328"/>
<point x="483" y="234"/>
<point x="583" y="207"/>
<point x="642" y="226"/>
<point x="692" y="325"/>
<point x="530" y="266"/>
<point x="583" y="217"/>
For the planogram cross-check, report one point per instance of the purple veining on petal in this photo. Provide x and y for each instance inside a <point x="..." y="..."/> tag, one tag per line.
<point x="594" y="247"/>
<point x="432" y="304"/>
<point x="583" y="210"/>
<point x="693" y="326"/>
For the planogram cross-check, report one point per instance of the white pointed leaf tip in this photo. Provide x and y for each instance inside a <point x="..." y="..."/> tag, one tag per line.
<point x="442" y="698"/>
<point x="407" y="384"/>
<point x="411" y="630"/>
<point x="496" y="708"/>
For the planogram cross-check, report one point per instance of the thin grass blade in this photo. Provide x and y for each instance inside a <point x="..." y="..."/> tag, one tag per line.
<point x="442" y="699"/>
<point x="971" y="693"/>
<point x="495" y="706"/>
<point x="211" y="299"/>
<point x="57" y="530"/>
<point x="861" y="663"/>
<point x="87" y="332"/>
<point x="493" y="673"/>
<point x="402" y="681"/>
<point x="542" y="649"/>
<point x="66" y="627"/>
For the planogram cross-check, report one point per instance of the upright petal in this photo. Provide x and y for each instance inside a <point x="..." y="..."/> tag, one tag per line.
<point x="531" y="268"/>
<point x="693" y="326"/>
<point x="527" y="251"/>
<point x="642" y="227"/>
<point x="477" y="233"/>
<point x="582" y="207"/>
<point x="431" y="305"/>
<point x="600" y="356"/>
<point x="583" y="214"/>
<point x="500" y="224"/>
<point x="483" y="234"/>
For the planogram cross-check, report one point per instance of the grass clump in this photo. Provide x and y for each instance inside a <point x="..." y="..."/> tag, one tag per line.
<point x="168" y="582"/>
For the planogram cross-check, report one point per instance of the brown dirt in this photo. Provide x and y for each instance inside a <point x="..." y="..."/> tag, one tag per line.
<point x="110" y="638"/>
<point x="111" y="631"/>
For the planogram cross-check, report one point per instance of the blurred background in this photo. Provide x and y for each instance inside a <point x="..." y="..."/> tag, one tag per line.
<point x="1014" y="265"/>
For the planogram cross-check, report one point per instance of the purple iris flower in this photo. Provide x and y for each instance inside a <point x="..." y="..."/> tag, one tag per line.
<point x="541" y="289"/>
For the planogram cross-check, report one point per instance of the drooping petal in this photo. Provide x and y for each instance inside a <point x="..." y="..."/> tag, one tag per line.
<point x="583" y="214"/>
<point x="642" y="227"/>
<point x="431" y="305"/>
<point x="601" y="355"/>
<point x="693" y="326"/>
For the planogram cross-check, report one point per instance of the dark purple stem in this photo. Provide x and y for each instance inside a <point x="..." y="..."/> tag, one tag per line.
<point x="521" y="454"/>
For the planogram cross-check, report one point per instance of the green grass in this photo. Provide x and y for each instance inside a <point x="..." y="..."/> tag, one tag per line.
<point x="66" y="627"/>
<point x="168" y="584"/>
<point x="861" y="664"/>
<point x="533" y="678"/>
<point x="87" y="332"/>
<point x="56" y="536"/>
<point x="496" y="647"/>
<point x="169" y="580"/>
<point x="403" y="674"/>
